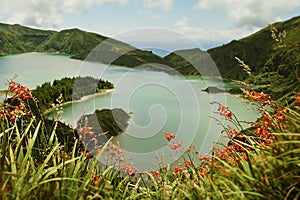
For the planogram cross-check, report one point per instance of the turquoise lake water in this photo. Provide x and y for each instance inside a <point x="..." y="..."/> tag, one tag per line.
<point x="158" y="102"/>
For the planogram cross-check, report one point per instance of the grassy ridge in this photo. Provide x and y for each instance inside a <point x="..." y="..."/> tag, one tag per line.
<point x="20" y="39"/>
<point x="255" y="50"/>
<point x="274" y="61"/>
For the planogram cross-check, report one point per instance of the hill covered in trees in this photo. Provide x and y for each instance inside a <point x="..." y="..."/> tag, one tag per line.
<point x="255" y="50"/>
<point x="68" y="89"/>
<point x="20" y="39"/>
<point x="272" y="54"/>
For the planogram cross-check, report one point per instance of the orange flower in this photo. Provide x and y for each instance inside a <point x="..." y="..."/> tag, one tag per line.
<point x="264" y="99"/>
<point x="88" y="155"/>
<point x="265" y="117"/>
<point x="233" y="133"/>
<point x="177" y="169"/>
<point x="204" y="171"/>
<point x="204" y="158"/>
<point x="223" y="110"/>
<point x="169" y="136"/>
<point x="155" y="174"/>
<point x="176" y="146"/>
<point x="96" y="180"/>
<point x="187" y="163"/>
<point x="262" y="131"/>
<point x="297" y="97"/>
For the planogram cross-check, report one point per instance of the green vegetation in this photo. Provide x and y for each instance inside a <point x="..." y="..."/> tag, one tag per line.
<point x="259" y="163"/>
<point x="112" y="122"/>
<point x="191" y="62"/>
<point x="273" y="57"/>
<point x="258" y="50"/>
<point x="255" y="50"/>
<point x="45" y="159"/>
<point x="69" y="89"/>
<point x="20" y="39"/>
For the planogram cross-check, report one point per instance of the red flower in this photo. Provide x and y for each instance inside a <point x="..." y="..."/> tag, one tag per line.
<point x="187" y="163"/>
<point x="88" y="155"/>
<point x="169" y="136"/>
<point x="204" y="159"/>
<point x="297" y="97"/>
<point x="96" y="180"/>
<point x="264" y="99"/>
<point x="233" y="133"/>
<point x="176" y="146"/>
<point x="177" y="169"/>
<point x="262" y="131"/>
<point x="223" y="110"/>
<point x="155" y="174"/>
<point x="265" y="117"/>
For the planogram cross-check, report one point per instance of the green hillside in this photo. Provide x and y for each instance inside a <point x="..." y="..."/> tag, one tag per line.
<point x="254" y="50"/>
<point x="20" y="39"/>
<point x="191" y="62"/>
<point x="273" y="63"/>
<point x="72" y="41"/>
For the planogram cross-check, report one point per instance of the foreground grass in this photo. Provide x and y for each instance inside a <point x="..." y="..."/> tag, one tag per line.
<point x="251" y="170"/>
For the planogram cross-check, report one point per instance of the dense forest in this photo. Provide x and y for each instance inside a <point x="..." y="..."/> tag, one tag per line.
<point x="68" y="89"/>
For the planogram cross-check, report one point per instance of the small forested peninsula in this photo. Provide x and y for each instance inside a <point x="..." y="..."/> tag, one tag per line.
<point x="103" y="123"/>
<point x="69" y="89"/>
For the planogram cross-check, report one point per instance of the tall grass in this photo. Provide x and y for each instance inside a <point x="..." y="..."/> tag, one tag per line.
<point x="261" y="162"/>
<point x="58" y="175"/>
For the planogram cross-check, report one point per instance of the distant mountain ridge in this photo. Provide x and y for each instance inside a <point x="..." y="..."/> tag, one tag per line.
<point x="273" y="64"/>
<point x="21" y="39"/>
<point x="254" y="50"/>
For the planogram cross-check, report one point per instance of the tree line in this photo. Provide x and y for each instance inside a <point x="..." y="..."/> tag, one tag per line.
<point x="68" y="89"/>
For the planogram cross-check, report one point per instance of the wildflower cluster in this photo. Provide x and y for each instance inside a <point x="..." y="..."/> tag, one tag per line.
<point x="240" y="146"/>
<point x="297" y="97"/>
<point x="223" y="110"/>
<point x="115" y="156"/>
<point x="17" y="105"/>
<point x="260" y="97"/>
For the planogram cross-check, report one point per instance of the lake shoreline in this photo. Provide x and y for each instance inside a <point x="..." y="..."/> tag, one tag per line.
<point x="82" y="99"/>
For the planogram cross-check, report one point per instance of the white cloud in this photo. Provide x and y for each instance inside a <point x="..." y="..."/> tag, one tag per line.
<point x="252" y="13"/>
<point x="151" y="15"/>
<point x="45" y="13"/>
<point x="165" y="4"/>
<point x="50" y="13"/>
<point x="32" y="12"/>
<point x="154" y="17"/>
<point x="185" y="27"/>
<point x="182" y="22"/>
<point x="83" y="5"/>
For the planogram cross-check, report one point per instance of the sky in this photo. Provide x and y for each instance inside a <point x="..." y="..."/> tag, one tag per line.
<point x="207" y="22"/>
